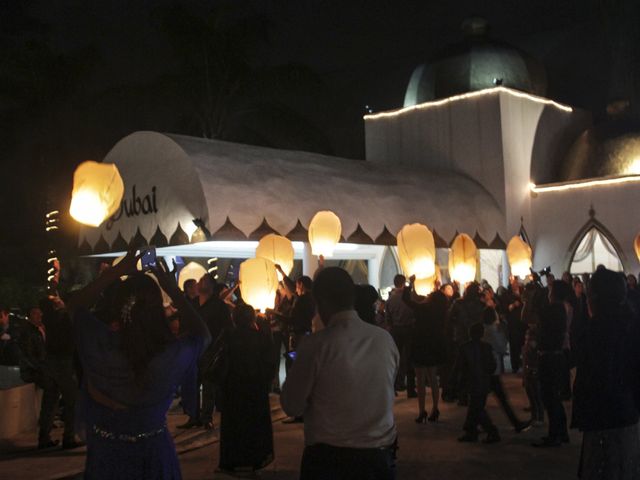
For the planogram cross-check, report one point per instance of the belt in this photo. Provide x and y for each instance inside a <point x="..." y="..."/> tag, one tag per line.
<point x="392" y="448"/>
<point x="126" y="437"/>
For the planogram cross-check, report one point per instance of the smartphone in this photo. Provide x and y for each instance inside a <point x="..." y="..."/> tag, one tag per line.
<point x="148" y="257"/>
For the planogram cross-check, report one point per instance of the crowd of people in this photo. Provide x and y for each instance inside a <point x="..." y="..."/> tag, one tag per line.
<point x="347" y="354"/>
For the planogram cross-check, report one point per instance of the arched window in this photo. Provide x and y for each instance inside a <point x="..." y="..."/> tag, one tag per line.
<point x="594" y="249"/>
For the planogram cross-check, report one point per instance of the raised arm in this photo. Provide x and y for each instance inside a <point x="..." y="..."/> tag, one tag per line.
<point x="189" y="317"/>
<point x="407" y="293"/>
<point x="289" y="284"/>
<point x="89" y="295"/>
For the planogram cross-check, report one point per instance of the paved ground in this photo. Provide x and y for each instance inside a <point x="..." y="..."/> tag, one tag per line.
<point x="427" y="451"/>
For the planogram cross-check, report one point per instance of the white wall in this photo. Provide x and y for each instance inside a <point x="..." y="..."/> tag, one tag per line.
<point x="558" y="217"/>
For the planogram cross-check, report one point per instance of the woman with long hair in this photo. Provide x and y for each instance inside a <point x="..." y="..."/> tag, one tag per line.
<point x="132" y="366"/>
<point x="428" y="345"/>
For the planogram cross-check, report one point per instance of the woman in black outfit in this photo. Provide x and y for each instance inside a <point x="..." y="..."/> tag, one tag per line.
<point x="246" y="436"/>
<point x="428" y="346"/>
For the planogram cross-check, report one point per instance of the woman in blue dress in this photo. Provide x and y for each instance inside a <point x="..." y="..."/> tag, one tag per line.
<point x="132" y="366"/>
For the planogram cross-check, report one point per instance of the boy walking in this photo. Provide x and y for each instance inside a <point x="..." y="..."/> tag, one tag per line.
<point x="477" y="364"/>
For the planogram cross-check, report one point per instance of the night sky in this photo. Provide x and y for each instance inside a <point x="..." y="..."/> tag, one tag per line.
<point x="77" y="75"/>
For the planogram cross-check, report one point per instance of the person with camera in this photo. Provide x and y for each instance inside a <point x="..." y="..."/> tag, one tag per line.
<point x="132" y="367"/>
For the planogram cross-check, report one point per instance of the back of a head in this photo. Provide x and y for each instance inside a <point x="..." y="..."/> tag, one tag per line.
<point x="399" y="281"/>
<point x="560" y="291"/>
<point x="476" y="331"/>
<point x="334" y="290"/>
<point x="365" y="299"/>
<point x="472" y="291"/>
<point x="306" y="282"/>
<point x="244" y="315"/>
<point x="145" y="332"/>
<point x="190" y="286"/>
<point x="607" y="291"/>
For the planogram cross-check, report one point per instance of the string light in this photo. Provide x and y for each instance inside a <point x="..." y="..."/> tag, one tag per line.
<point x="598" y="182"/>
<point x="464" y="96"/>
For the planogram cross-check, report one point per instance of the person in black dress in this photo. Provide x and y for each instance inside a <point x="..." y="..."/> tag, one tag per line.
<point x="428" y="346"/>
<point x="553" y="363"/>
<point x="246" y="436"/>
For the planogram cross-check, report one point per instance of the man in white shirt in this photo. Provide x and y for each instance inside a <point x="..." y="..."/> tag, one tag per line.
<point x="342" y="381"/>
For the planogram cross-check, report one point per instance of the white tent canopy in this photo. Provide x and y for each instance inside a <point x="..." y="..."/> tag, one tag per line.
<point x="170" y="180"/>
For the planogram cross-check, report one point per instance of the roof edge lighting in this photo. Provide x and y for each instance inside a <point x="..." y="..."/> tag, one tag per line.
<point x="464" y="96"/>
<point x="595" y="182"/>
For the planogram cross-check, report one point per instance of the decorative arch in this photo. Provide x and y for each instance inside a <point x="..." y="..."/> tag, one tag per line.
<point x="590" y="232"/>
<point x="390" y="266"/>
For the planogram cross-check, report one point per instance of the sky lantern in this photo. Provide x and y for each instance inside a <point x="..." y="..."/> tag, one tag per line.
<point x="424" y="286"/>
<point x="97" y="192"/>
<point x="258" y="283"/>
<point x="324" y="233"/>
<point x="636" y="246"/>
<point x="519" y="255"/>
<point x="191" y="271"/>
<point x="417" y="251"/>
<point x="278" y="249"/>
<point x="463" y="257"/>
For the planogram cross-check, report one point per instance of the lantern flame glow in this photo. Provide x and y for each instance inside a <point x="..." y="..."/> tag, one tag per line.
<point x="417" y="251"/>
<point x="258" y="283"/>
<point x="324" y="233"/>
<point x="519" y="255"/>
<point x="424" y="286"/>
<point x="462" y="259"/>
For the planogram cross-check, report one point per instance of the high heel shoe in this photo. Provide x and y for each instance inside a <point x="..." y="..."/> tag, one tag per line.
<point x="435" y="414"/>
<point x="422" y="418"/>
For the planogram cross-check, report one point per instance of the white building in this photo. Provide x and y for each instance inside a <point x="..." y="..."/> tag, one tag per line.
<point x="475" y="149"/>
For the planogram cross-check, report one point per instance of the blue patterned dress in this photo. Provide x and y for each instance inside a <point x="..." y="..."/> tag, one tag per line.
<point x="134" y="442"/>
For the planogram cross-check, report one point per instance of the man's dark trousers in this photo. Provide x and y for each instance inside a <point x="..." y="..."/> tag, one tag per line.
<point x="325" y="462"/>
<point x="57" y="379"/>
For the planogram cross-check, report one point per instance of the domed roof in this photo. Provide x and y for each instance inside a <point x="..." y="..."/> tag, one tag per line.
<point x="610" y="148"/>
<point x="476" y="63"/>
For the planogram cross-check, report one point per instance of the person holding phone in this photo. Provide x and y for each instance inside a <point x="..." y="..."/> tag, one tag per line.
<point x="132" y="366"/>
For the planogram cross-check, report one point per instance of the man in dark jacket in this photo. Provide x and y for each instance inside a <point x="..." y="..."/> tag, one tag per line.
<point x="464" y="313"/>
<point x="58" y="379"/>
<point x="217" y="317"/>
<point x="477" y="364"/>
<point x="607" y="390"/>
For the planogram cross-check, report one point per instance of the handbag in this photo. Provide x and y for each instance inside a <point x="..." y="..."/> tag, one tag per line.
<point x="214" y="363"/>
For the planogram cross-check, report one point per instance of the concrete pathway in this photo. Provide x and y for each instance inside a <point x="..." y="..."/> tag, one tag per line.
<point x="427" y="451"/>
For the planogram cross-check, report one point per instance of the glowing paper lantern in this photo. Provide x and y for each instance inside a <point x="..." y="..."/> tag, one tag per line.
<point x="258" y="283"/>
<point x="636" y="246"/>
<point x="97" y="192"/>
<point x="417" y="251"/>
<point x="324" y="233"/>
<point x="462" y="259"/>
<point x="519" y="255"/>
<point x="424" y="286"/>
<point x="191" y="271"/>
<point x="278" y="249"/>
